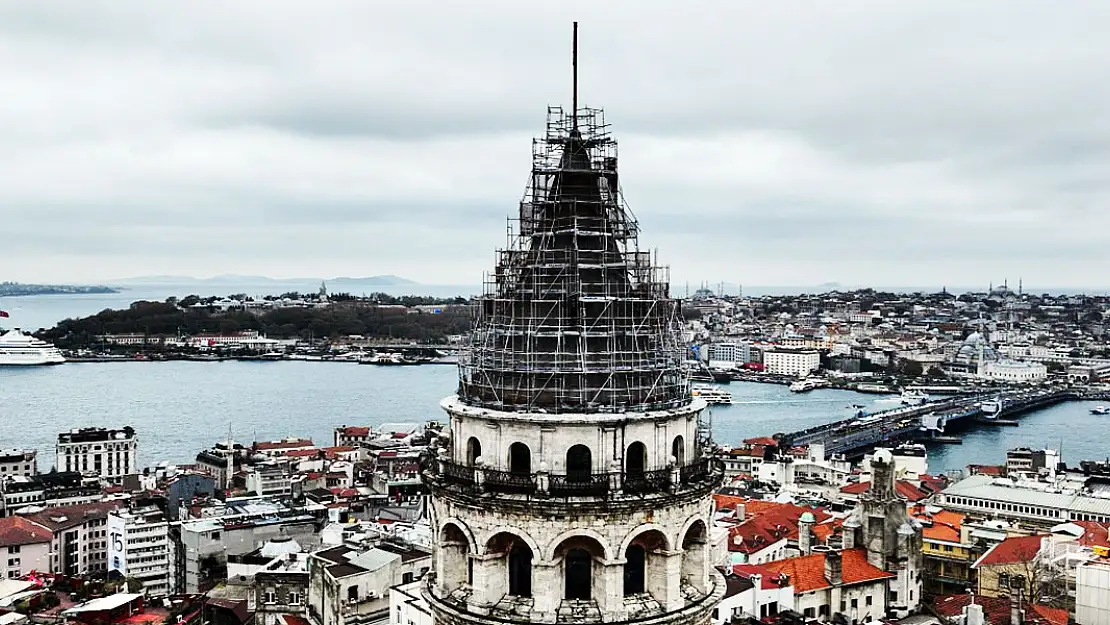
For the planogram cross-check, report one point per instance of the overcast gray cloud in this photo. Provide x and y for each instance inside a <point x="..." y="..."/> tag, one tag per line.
<point x="917" y="142"/>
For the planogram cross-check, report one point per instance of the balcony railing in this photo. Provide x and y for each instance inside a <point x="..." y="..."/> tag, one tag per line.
<point x="578" y="484"/>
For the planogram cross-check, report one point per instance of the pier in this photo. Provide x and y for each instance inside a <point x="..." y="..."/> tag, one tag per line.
<point x="855" y="436"/>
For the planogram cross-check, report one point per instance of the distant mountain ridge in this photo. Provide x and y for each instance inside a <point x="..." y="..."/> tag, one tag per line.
<point x="226" y="279"/>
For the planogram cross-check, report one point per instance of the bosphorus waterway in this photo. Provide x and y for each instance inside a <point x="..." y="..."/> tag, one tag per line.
<point x="179" y="408"/>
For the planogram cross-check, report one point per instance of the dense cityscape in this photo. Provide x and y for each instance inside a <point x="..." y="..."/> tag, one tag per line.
<point x="573" y="472"/>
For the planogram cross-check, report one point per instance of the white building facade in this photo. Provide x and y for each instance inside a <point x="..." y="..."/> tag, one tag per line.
<point x="139" y="547"/>
<point x="792" y="362"/>
<point x="107" y="453"/>
<point x="21" y="462"/>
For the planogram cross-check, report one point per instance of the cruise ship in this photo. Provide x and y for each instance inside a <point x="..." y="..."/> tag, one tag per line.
<point x="17" y="348"/>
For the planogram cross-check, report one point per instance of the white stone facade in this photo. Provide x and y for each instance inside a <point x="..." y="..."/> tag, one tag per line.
<point x="109" y="454"/>
<point x="576" y="551"/>
<point x="792" y="362"/>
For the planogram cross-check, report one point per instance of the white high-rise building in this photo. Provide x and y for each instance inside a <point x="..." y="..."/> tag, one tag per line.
<point x="107" y="453"/>
<point x="139" y="547"/>
<point x="574" y="482"/>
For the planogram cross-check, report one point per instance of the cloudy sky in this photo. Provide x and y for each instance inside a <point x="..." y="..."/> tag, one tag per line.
<point x="918" y="142"/>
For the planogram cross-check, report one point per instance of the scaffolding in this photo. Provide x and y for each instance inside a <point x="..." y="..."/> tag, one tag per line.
<point x="575" y="317"/>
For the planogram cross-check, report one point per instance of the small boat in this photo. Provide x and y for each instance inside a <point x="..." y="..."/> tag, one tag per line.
<point x="711" y="394"/>
<point x="991" y="408"/>
<point x="1100" y="410"/>
<point x="388" y="359"/>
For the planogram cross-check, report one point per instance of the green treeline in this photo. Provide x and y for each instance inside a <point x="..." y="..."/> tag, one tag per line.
<point x="335" y="320"/>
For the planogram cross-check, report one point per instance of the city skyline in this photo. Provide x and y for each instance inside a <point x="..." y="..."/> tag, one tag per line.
<point x="765" y="145"/>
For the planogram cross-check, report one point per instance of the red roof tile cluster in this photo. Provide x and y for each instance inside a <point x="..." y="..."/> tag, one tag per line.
<point x="1013" y="550"/>
<point x="762" y="440"/>
<point x="807" y="573"/>
<point x="767" y="576"/>
<point x="943" y="525"/>
<point x="770" y="522"/>
<point x="277" y="445"/>
<point x="356" y="431"/>
<point x="996" y="610"/>
<point x="16" y="530"/>
<point x="1094" y="534"/>
<point x="985" y="469"/>
<point x="905" y="489"/>
<point x="302" y="453"/>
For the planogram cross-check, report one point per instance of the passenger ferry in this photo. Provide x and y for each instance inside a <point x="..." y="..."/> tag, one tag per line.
<point x="17" y="348"/>
<point x="807" y="384"/>
<point x="1100" y="410"/>
<point x="711" y="394"/>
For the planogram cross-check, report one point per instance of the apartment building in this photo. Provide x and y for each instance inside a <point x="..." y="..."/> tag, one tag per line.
<point x="107" y="453"/>
<point x="139" y="547"/>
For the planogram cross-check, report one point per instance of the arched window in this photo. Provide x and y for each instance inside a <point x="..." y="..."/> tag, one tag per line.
<point x="635" y="560"/>
<point x="678" y="450"/>
<point x="579" y="574"/>
<point x="520" y="459"/>
<point x="635" y="459"/>
<point x="473" y="451"/>
<point x="520" y="570"/>
<point x="579" y="464"/>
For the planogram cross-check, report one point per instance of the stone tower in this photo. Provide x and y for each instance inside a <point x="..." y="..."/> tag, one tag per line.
<point x="573" y="483"/>
<point x="881" y="525"/>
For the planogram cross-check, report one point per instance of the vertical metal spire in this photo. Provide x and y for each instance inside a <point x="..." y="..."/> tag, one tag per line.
<point x="574" y="66"/>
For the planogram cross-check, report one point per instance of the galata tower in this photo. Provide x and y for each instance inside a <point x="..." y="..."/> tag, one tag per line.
<point x="573" y="484"/>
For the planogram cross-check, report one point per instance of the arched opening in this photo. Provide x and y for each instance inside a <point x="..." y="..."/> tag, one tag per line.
<point x="645" y="567"/>
<point x="635" y="561"/>
<point x="578" y="554"/>
<point x="579" y="464"/>
<point x="694" y="545"/>
<point x="516" y="576"/>
<point x="520" y="459"/>
<point x="473" y="451"/>
<point x="678" y="450"/>
<point x="520" y="570"/>
<point x="635" y="460"/>
<point x="579" y="575"/>
<point x="455" y="564"/>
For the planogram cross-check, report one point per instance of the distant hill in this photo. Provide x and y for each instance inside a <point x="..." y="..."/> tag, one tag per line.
<point x="232" y="279"/>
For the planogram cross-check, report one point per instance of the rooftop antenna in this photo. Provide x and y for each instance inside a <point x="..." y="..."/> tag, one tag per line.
<point x="574" y="64"/>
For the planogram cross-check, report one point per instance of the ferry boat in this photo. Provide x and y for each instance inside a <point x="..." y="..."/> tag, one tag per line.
<point x="388" y="359"/>
<point x="991" y="408"/>
<point x="17" y="348"/>
<point x="711" y="394"/>
<point x="913" y="398"/>
<point x="807" y="384"/>
<point x="1100" y="410"/>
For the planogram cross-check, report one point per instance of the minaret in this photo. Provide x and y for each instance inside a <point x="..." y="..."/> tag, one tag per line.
<point x="570" y="485"/>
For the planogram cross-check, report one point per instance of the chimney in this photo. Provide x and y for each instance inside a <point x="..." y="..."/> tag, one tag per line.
<point x="973" y="615"/>
<point x="833" y="568"/>
<point x="1016" y="613"/>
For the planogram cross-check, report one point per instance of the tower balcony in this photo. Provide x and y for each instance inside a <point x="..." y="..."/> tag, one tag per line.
<point x="458" y="608"/>
<point x="575" y="490"/>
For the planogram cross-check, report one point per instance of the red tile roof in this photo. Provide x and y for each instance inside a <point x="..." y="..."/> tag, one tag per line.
<point x="906" y="490"/>
<point x="16" y="530"/>
<point x="275" y="445"/>
<point x="996" y="610"/>
<point x="767" y="576"/>
<point x="762" y="440"/>
<point x="354" y="430"/>
<point x="807" y="573"/>
<point x="770" y="524"/>
<point x="301" y="453"/>
<point x="943" y="525"/>
<point x="1013" y="550"/>
<point x="1094" y="534"/>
